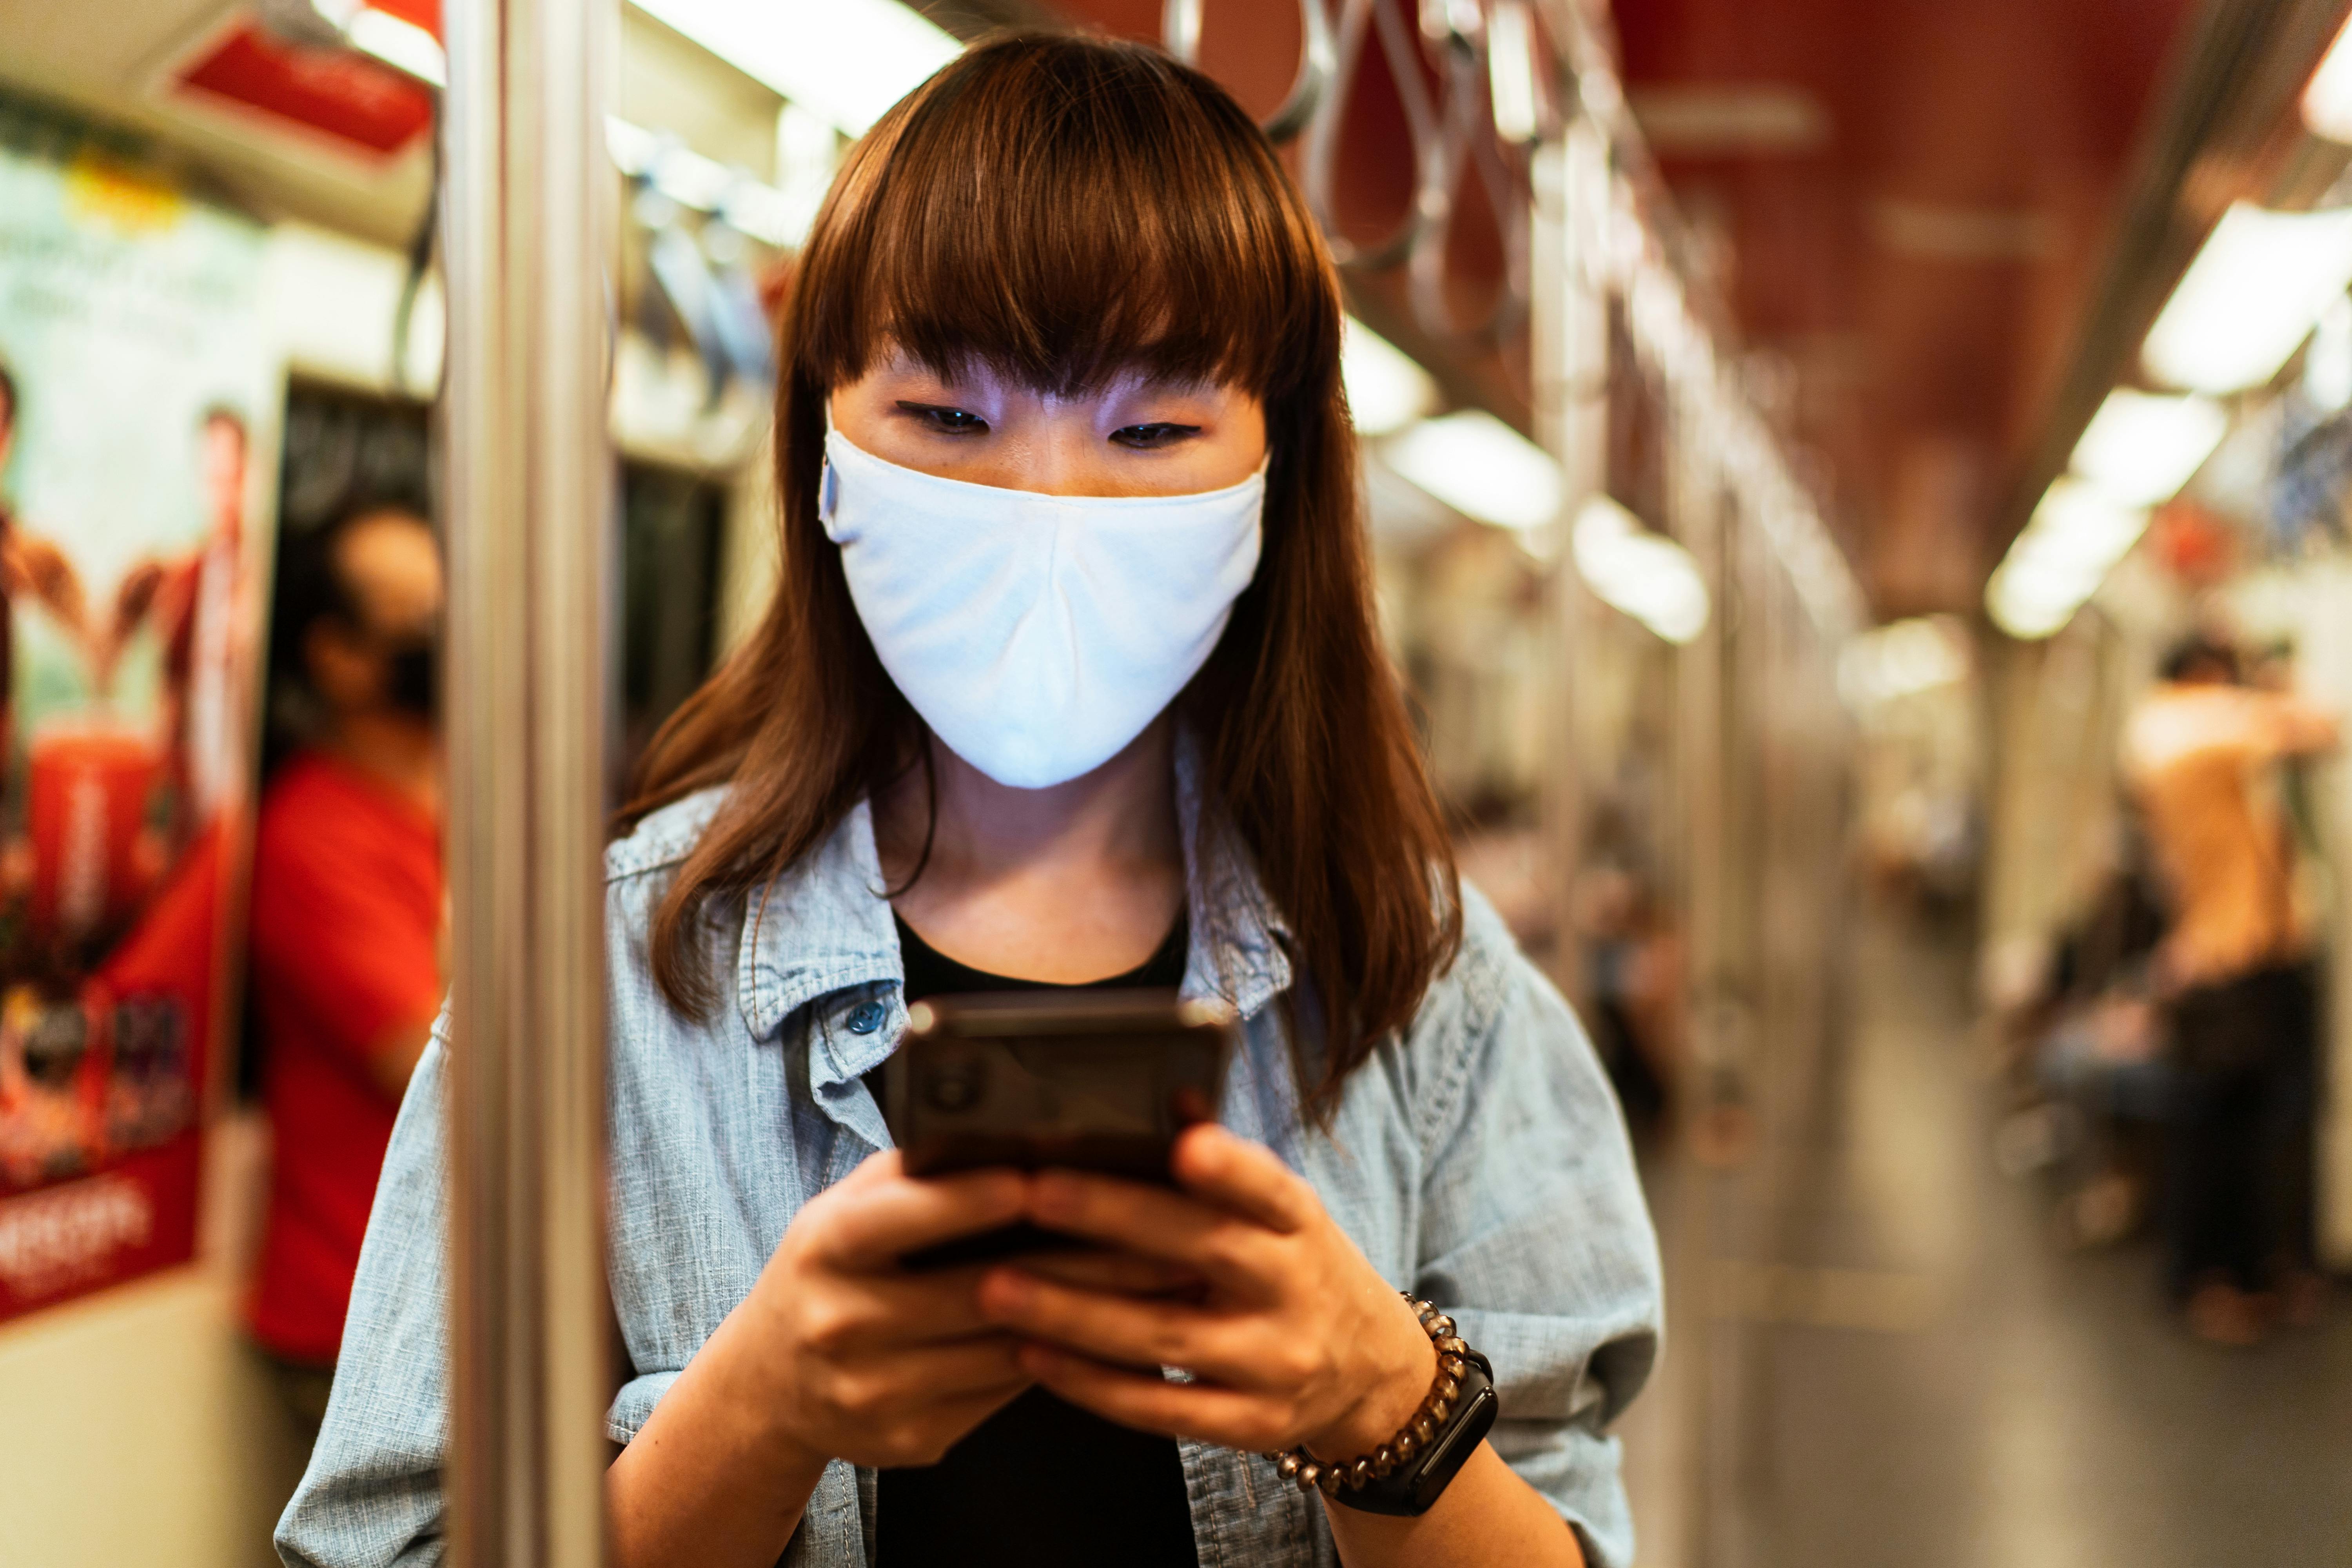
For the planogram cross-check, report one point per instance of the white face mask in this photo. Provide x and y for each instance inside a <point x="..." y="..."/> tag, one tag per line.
<point x="1036" y="634"/>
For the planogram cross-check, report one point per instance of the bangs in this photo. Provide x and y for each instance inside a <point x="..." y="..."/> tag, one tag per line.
<point x="1065" y="211"/>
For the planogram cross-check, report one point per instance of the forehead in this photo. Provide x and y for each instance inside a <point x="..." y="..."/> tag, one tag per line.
<point x="1064" y="213"/>
<point x="391" y="565"/>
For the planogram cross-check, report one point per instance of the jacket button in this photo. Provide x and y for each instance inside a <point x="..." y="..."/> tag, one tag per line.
<point x="866" y="1017"/>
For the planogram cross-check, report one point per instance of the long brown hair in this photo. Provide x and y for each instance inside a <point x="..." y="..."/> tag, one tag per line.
<point x="1064" y="210"/>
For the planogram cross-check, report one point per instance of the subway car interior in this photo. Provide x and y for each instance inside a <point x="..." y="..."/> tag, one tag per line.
<point x="1934" y="822"/>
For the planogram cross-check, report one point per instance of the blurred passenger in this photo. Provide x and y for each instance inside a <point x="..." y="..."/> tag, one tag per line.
<point x="347" y="912"/>
<point x="2097" y="1038"/>
<point x="1633" y="977"/>
<point x="2202" y="754"/>
<point x="1073" y="679"/>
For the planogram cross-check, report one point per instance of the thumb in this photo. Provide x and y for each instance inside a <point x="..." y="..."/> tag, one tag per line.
<point x="1248" y="1178"/>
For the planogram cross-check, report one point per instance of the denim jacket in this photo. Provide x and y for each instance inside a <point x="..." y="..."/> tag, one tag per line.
<point x="1479" y="1159"/>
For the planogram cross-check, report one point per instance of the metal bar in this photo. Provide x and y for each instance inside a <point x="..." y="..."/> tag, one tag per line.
<point x="1568" y="328"/>
<point x="1318" y="63"/>
<point x="1696" y="517"/>
<point x="1363" y="23"/>
<point x="1180" y="29"/>
<point x="530" y="507"/>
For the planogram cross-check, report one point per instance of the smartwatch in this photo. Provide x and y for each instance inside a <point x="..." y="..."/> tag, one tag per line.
<point x="1411" y="1489"/>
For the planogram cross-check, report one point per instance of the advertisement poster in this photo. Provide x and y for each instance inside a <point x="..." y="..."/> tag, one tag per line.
<point x="135" y="373"/>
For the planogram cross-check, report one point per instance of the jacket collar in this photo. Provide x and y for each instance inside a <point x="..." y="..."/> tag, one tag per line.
<point x="824" y="925"/>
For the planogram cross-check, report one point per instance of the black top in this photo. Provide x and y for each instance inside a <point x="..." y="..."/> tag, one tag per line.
<point x="1042" y="1483"/>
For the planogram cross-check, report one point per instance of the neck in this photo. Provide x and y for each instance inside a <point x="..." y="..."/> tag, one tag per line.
<point x="397" y="750"/>
<point x="1119" y="818"/>
<point x="1069" y="884"/>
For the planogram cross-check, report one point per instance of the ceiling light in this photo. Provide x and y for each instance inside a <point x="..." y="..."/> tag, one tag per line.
<point x="2017" y="609"/>
<point x="2077" y="536"/>
<point x="1387" y="388"/>
<point x="2328" y="364"/>
<point x="2250" y="298"/>
<point x="633" y="147"/>
<point x="1903" y="658"/>
<point x="688" y="178"/>
<point x="1480" y="467"/>
<point x="691" y="180"/>
<point x="400" y="44"/>
<point x="1646" y="575"/>
<point x="2140" y="449"/>
<point x="1511" y="71"/>
<point x="2328" y="101"/>
<point x="848" y="60"/>
<point x="764" y="213"/>
<point x="2079" y="527"/>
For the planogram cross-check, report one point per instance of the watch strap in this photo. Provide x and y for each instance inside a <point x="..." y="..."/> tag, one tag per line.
<point x="1411" y="1489"/>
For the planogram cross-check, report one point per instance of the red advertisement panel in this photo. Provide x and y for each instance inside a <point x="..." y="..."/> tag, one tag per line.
<point x="333" y="92"/>
<point x="134" y="364"/>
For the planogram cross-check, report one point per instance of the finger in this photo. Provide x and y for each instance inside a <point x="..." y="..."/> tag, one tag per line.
<point x="1128" y="1273"/>
<point x="877" y="1213"/>
<point x="860" y="1313"/>
<point x="922" y="1375"/>
<point x="1127" y="1215"/>
<point x="1124" y="1330"/>
<point x="1205" y="1413"/>
<point x="1248" y="1178"/>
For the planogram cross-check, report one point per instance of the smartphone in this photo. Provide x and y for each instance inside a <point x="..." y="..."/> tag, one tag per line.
<point x="1089" y="1080"/>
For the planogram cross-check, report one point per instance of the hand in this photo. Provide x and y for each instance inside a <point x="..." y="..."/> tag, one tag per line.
<point x="1293" y="1338"/>
<point x="850" y="1356"/>
<point x="837" y="1352"/>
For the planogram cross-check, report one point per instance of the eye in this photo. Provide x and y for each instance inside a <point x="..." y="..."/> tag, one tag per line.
<point x="947" y="421"/>
<point x="1148" y="437"/>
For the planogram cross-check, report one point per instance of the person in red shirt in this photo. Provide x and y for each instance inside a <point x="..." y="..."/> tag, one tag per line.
<point x="347" y="913"/>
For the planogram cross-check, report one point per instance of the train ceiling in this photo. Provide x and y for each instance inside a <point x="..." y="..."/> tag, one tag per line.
<point x="1911" y="202"/>
<point x="1906" y="202"/>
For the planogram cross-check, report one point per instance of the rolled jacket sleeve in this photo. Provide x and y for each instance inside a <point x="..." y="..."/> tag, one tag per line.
<point x="1534" y="1231"/>
<point x="372" y="1496"/>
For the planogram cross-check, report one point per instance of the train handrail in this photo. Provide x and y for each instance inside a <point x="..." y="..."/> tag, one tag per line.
<point x="1180" y="34"/>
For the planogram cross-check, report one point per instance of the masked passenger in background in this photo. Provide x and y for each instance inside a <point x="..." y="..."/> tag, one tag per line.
<point x="347" y="912"/>
<point x="1073" y="679"/>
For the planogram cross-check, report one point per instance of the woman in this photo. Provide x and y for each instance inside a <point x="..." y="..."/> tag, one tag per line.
<point x="1073" y="677"/>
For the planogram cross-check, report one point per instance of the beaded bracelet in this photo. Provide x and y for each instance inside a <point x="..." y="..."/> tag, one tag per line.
<point x="1435" y="1410"/>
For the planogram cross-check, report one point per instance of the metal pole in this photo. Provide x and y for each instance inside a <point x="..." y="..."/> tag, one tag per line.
<point x="530" y="505"/>
<point x="1569" y="308"/>
<point x="1696" y="516"/>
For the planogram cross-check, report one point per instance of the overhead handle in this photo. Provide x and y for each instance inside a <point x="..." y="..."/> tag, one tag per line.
<point x="1180" y="34"/>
